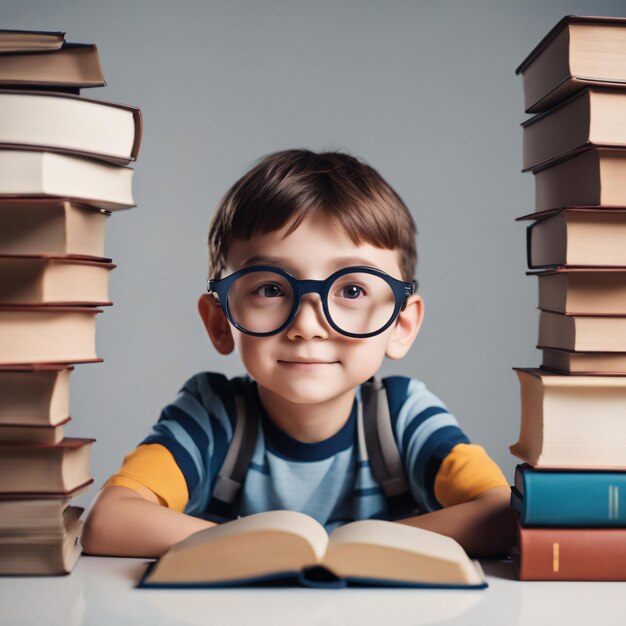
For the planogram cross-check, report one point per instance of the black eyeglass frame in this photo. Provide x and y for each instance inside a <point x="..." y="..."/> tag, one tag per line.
<point x="401" y="291"/>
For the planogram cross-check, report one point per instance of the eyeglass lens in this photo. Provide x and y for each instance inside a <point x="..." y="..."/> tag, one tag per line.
<point x="359" y="302"/>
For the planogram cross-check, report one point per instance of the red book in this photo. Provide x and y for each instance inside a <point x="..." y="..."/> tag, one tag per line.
<point x="571" y="554"/>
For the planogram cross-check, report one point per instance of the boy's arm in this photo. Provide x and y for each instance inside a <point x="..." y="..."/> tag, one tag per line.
<point x="139" y="511"/>
<point x="123" y="522"/>
<point x="466" y="491"/>
<point x="475" y="497"/>
<point x="484" y="526"/>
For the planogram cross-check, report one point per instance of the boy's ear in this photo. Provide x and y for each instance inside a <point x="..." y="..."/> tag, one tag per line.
<point x="406" y="327"/>
<point x="216" y="323"/>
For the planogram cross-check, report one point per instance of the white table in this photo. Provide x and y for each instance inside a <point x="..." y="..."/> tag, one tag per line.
<point x="101" y="590"/>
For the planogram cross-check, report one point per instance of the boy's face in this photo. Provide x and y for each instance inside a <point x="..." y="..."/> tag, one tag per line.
<point x="309" y="362"/>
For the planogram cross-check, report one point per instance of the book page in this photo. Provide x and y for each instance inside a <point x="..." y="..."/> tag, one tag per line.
<point x="276" y="521"/>
<point x="248" y="547"/>
<point x="381" y="549"/>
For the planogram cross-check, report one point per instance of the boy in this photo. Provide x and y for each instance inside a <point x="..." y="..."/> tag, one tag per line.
<point x="295" y="218"/>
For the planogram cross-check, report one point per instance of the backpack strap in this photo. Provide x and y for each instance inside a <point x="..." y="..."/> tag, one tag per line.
<point x="229" y="482"/>
<point x="376" y="432"/>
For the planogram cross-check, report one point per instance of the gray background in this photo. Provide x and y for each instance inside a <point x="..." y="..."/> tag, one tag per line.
<point x="424" y="91"/>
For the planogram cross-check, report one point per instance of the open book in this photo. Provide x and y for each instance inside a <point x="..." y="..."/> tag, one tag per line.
<point x="286" y="547"/>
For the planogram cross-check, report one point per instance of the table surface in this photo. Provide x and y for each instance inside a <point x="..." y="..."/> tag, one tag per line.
<point x="101" y="590"/>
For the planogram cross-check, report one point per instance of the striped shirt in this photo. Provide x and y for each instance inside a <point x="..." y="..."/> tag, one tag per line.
<point x="329" y="480"/>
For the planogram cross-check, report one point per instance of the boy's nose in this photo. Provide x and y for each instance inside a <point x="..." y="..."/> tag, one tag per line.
<point x="309" y="322"/>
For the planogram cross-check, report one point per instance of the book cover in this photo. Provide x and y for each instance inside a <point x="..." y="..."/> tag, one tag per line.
<point x="569" y="498"/>
<point x="571" y="554"/>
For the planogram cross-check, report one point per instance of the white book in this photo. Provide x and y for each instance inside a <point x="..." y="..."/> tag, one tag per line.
<point x="61" y="121"/>
<point x="35" y="173"/>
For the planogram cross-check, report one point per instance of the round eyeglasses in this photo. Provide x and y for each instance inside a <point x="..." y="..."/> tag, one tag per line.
<point x="263" y="300"/>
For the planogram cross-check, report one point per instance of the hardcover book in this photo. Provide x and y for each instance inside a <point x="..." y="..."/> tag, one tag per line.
<point x="580" y="50"/>
<point x="571" y="422"/>
<point x="584" y="363"/>
<point x="51" y="226"/>
<point x="57" y="281"/>
<point x="577" y="291"/>
<point x="33" y="173"/>
<point x="30" y="40"/>
<point x="32" y="433"/>
<point x="34" y="395"/>
<point x="582" y="333"/>
<point x="47" y="334"/>
<point x="68" y="123"/>
<point x="43" y="554"/>
<point x="35" y="514"/>
<point x="593" y="117"/>
<point x="577" y="237"/>
<point x="74" y="65"/>
<point x="571" y="554"/>
<point x="36" y="468"/>
<point x="591" y="178"/>
<point x="286" y="547"/>
<point x="569" y="498"/>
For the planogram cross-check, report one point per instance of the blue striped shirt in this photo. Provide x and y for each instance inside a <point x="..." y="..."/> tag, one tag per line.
<point x="329" y="480"/>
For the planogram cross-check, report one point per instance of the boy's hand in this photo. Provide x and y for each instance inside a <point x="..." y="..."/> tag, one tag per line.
<point x="484" y="526"/>
<point x="122" y="522"/>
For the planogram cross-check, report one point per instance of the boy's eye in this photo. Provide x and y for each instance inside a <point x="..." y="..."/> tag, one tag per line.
<point x="268" y="290"/>
<point x="351" y="292"/>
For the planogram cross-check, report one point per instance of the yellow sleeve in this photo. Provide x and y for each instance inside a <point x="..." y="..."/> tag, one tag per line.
<point x="152" y="466"/>
<point x="466" y="472"/>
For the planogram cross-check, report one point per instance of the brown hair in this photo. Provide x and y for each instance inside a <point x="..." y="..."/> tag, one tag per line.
<point x="287" y="185"/>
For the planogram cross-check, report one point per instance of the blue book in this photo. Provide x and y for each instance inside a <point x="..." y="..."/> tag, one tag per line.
<point x="568" y="498"/>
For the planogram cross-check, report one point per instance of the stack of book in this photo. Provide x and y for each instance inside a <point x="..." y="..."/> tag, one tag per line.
<point x="63" y="169"/>
<point x="570" y="492"/>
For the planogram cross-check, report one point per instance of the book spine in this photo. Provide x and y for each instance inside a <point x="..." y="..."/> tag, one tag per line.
<point x="572" y="554"/>
<point x="594" y="499"/>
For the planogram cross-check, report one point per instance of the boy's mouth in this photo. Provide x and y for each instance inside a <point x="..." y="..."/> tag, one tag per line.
<point x="306" y="364"/>
<point x="308" y="361"/>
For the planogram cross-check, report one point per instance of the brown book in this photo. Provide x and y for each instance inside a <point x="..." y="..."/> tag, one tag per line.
<point x="30" y="41"/>
<point x="35" y="468"/>
<point x="34" y="395"/>
<point x="32" y="433"/>
<point x="54" y="227"/>
<point x="47" y="335"/>
<point x="571" y="421"/>
<point x="571" y="553"/>
<point x="581" y="363"/>
<point x="53" y="280"/>
<point x="74" y="65"/>
<point x="43" y="554"/>
<point x="579" y="51"/>
<point x="577" y="237"/>
<point x="576" y="291"/>
<point x="33" y="173"/>
<point x="591" y="178"/>
<point x="67" y="123"/>
<point x="593" y="117"/>
<point x="41" y="514"/>
<point x="582" y="333"/>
